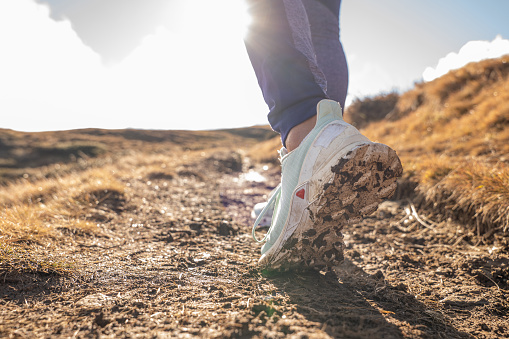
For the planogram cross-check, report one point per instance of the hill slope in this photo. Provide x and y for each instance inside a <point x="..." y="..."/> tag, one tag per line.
<point x="453" y="137"/>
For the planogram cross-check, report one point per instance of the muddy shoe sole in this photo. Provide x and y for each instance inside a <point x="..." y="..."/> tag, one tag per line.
<point x="356" y="185"/>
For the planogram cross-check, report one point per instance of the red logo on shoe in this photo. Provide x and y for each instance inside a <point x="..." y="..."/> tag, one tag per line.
<point x="301" y="193"/>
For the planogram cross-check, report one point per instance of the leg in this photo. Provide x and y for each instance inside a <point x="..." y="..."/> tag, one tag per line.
<point x="335" y="175"/>
<point x="323" y="16"/>
<point x="280" y="47"/>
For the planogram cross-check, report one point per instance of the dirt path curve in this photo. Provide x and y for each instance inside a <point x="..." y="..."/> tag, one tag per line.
<point x="178" y="260"/>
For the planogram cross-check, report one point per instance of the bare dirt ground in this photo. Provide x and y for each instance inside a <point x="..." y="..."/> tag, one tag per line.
<point x="177" y="260"/>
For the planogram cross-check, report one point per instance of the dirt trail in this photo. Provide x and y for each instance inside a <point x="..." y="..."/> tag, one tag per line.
<point x="177" y="260"/>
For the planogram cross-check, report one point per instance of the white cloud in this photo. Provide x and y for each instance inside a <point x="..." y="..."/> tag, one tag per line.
<point x="193" y="78"/>
<point x="470" y="52"/>
<point x="370" y="78"/>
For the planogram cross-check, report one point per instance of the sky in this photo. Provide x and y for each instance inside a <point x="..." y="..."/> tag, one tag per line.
<point x="182" y="64"/>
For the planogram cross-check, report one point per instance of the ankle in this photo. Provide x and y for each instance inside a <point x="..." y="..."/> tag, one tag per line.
<point x="299" y="132"/>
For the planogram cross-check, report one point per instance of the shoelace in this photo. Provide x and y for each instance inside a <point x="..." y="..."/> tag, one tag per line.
<point x="272" y="201"/>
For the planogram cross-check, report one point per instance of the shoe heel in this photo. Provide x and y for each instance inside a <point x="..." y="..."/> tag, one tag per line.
<point x="361" y="180"/>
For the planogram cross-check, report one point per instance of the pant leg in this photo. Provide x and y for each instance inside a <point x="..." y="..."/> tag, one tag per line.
<point x="281" y="51"/>
<point x="323" y="16"/>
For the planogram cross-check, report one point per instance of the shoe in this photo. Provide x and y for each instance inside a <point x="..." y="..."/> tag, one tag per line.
<point x="335" y="177"/>
<point x="266" y="219"/>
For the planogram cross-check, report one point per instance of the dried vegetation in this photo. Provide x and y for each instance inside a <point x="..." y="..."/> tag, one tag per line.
<point x="58" y="183"/>
<point x="453" y="137"/>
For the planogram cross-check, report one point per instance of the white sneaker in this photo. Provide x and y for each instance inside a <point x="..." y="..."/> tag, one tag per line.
<point x="334" y="177"/>
<point x="266" y="219"/>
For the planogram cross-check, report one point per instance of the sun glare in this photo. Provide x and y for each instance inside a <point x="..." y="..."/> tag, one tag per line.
<point x="243" y="19"/>
<point x="193" y="57"/>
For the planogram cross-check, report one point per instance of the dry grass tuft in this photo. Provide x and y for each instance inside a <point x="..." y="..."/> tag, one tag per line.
<point x="266" y="151"/>
<point x="363" y="112"/>
<point x="16" y="259"/>
<point x="484" y="190"/>
<point x="34" y="212"/>
<point x="472" y="192"/>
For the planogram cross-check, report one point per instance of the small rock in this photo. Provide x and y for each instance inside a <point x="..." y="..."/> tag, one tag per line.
<point x="224" y="228"/>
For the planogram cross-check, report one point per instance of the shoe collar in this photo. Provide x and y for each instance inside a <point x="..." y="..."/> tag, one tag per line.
<point x="327" y="110"/>
<point x="328" y="107"/>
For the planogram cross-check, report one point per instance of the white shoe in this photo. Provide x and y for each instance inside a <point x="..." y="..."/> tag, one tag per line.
<point x="334" y="177"/>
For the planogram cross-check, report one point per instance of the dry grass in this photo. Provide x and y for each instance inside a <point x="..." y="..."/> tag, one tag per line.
<point x="36" y="212"/>
<point x="266" y="151"/>
<point x="41" y="210"/>
<point x="34" y="209"/>
<point x="464" y="113"/>
<point x="54" y="184"/>
<point x="50" y="193"/>
<point x="22" y="259"/>
<point x="453" y="137"/>
<point x="473" y="192"/>
<point x="479" y="191"/>
<point x="363" y="112"/>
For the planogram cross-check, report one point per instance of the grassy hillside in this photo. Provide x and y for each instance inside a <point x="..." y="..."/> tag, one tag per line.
<point x="452" y="135"/>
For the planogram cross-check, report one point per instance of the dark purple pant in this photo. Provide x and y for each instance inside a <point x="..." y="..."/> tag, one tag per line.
<point x="297" y="56"/>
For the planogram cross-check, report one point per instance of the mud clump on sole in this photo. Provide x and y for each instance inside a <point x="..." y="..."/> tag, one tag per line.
<point x="363" y="179"/>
